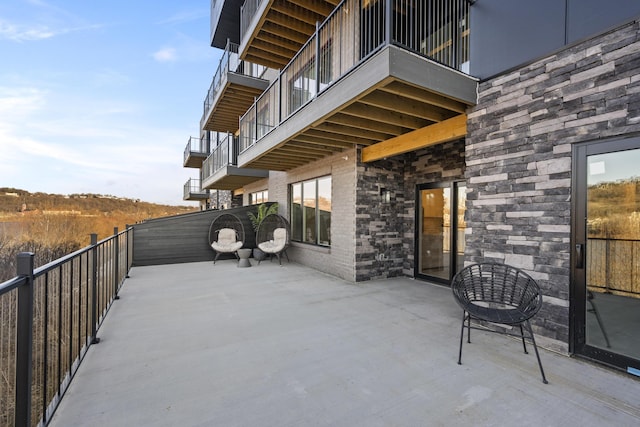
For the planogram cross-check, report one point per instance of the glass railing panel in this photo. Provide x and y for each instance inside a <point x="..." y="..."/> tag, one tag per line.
<point x="248" y="128"/>
<point x="267" y="108"/>
<point x="298" y="80"/>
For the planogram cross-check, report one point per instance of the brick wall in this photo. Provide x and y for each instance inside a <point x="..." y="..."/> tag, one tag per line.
<point x="339" y="258"/>
<point x="518" y="156"/>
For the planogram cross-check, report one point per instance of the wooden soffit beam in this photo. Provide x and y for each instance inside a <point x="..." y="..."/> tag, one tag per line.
<point x="447" y="130"/>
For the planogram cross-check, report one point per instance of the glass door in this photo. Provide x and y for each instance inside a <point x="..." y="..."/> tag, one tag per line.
<point x="606" y="258"/>
<point x="440" y="230"/>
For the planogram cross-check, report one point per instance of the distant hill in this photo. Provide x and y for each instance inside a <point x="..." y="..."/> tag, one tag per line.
<point x="53" y="225"/>
<point x="15" y="200"/>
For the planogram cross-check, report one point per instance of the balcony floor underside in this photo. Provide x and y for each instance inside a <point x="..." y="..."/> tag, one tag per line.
<point x="194" y="160"/>
<point x="280" y="28"/>
<point x="391" y="94"/>
<point x="197" y="196"/>
<point x="232" y="178"/>
<point x="204" y="344"/>
<point x="232" y="101"/>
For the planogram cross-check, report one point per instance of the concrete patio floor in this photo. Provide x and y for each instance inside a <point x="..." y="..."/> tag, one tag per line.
<point x="214" y="345"/>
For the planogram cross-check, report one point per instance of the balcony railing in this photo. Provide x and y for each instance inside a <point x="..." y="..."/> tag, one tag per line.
<point x="225" y="154"/>
<point x="229" y="62"/>
<point x="48" y="319"/>
<point x="355" y="30"/>
<point x="247" y="12"/>
<point x="192" y="188"/>
<point x="195" y="145"/>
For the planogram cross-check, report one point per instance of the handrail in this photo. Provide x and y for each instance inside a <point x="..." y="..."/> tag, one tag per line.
<point x="58" y="309"/>
<point x="350" y="35"/>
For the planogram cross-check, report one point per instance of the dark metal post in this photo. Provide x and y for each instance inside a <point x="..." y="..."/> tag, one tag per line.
<point x="389" y="23"/>
<point x="116" y="262"/>
<point x="317" y="58"/>
<point x="24" y="341"/>
<point x="128" y="235"/>
<point x="94" y="288"/>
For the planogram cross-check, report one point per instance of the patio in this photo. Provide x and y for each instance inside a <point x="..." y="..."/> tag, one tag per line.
<point x="204" y="345"/>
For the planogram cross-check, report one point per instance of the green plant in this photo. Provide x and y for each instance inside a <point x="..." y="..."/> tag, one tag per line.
<point x="261" y="213"/>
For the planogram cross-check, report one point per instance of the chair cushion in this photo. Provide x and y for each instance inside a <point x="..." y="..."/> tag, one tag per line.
<point x="277" y="244"/>
<point x="226" y="241"/>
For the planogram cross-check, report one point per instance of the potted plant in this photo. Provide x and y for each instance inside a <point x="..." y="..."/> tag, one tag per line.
<point x="261" y="213"/>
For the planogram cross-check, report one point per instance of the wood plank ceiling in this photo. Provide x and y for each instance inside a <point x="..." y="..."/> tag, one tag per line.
<point x="284" y="29"/>
<point x="235" y="99"/>
<point x="389" y="110"/>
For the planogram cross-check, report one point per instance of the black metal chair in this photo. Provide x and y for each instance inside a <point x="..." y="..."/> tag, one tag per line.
<point x="272" y="236"/>
<point x="226" y="235"/>
<point x="499" y="294"/>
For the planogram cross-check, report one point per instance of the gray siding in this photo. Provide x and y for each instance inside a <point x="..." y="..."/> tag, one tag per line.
<point x="508" y="33"/>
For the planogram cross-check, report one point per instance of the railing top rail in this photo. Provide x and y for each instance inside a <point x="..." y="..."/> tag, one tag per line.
<point x="12" y="284"/>
<point x="55" y="263"/>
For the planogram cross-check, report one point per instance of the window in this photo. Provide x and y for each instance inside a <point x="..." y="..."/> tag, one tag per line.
<point x="311" y="211"/>
<point x="258" y="197"/>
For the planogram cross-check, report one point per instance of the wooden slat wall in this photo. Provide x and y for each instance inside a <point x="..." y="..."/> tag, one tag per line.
<point x="182" y="238"/>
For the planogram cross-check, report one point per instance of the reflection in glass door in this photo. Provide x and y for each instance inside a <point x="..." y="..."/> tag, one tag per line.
<point x="607" y="253"/>
<point x="440" y="230"/>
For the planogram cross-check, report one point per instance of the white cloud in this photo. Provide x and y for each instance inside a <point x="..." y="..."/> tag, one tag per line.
<point x="19" y="33"/>
<point x="168" y="54"/>
<point x="23" y="33"/>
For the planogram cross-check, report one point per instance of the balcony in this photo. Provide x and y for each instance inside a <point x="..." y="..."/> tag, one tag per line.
<point x="272" y="31"/>
<point x="195" y="152"/>
<point x="288" y="346"/>
<point x="225" y="22"/>
<point x="358" y="81"/>
<point x="193" y="191"/>
<point x="233" y="89"/>
<point x="220" y="171"/>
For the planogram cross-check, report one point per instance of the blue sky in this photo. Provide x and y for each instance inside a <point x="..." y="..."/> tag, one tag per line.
<point x="102" y="96"/>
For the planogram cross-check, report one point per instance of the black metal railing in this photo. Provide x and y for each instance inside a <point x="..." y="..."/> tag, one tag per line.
<point x="225" y="154"/>
<point x="195" y="146"/>
<point x="49" y="317"/>
<point x="355" y="30"/>
<point x="612" y="266"/>
<point x="192" y="187"/>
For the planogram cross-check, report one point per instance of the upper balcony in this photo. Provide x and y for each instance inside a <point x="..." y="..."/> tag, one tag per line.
<point x="219" y="171"/>
<point x="234" y="87"/>
<point x="193" y="190"/>
<point x="387" y="75"/>
<point x="272" y="31"/>
<point x="195" y="152"/>
<point x="225" y="22"/>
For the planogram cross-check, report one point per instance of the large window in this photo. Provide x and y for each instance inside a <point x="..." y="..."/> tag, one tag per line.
<point x="258" y="197"/>
<point x="311" y="211"/>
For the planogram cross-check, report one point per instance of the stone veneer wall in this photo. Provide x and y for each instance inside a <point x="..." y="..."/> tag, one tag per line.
<point x="518" y="156"/>
<point x="385" y="232"/>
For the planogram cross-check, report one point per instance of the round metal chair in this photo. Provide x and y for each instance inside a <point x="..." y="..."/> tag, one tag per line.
<point x="226" y="235"/>
<point x="272" y="236"/>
